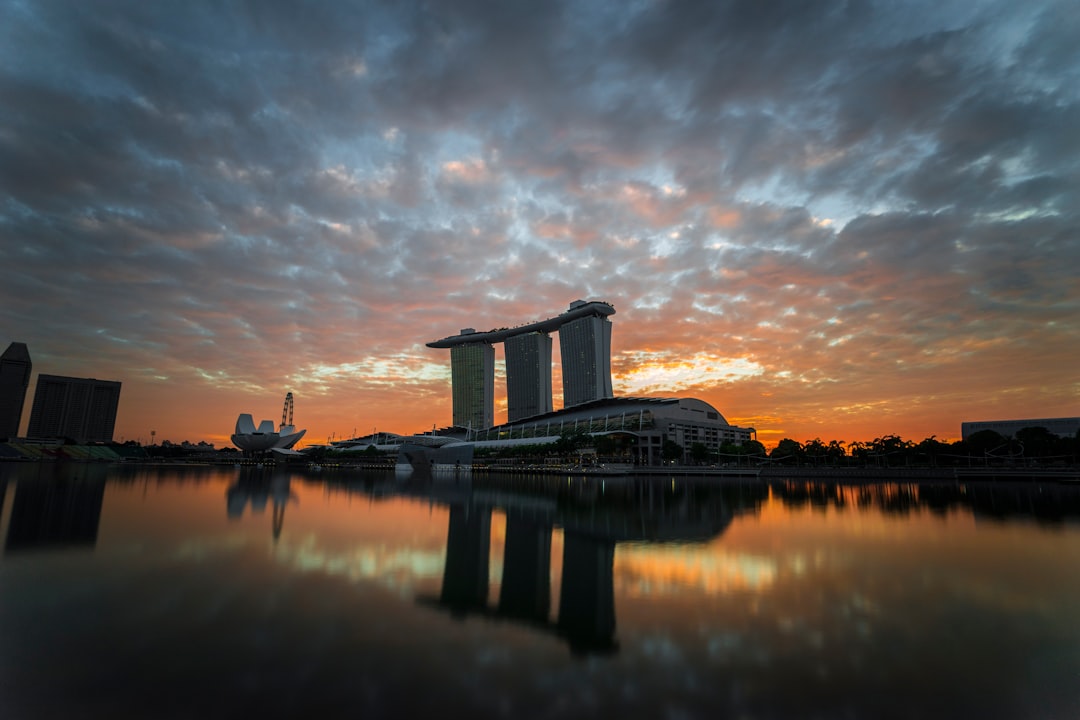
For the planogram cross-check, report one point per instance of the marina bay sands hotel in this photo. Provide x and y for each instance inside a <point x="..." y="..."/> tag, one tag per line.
<point x="585" y="343"/>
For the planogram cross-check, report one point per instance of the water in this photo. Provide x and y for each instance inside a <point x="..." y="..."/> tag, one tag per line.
<point x="210" y="592"/>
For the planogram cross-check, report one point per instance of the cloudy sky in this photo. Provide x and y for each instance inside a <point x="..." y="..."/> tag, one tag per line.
<point x="827" y="219"/>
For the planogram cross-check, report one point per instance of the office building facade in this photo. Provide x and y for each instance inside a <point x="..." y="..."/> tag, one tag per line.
<point x="15" y="368"/>
<point x="472" y="377"/>
<point x="82" y="409"/>
<point x="585" y="347"/>
<point x="528" y="375"/>
<point x="1062" y="427"/>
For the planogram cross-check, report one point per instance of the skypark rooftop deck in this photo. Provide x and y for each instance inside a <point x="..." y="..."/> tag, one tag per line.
<point x="584" y="309"/>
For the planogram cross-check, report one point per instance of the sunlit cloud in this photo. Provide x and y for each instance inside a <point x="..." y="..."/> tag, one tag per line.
<point x="662" y="371"/>
<point x="844" y="239"/>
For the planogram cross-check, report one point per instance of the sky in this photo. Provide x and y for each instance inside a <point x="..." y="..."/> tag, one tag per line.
<point x="831" y="219"/>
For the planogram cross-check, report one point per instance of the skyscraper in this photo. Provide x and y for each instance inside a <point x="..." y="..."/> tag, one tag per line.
<point x="15" y="367"/>
<point x="585" y="333"/>
<point x="528" y="375"/>
<point x="472" y="375"/>
<point x="83" y="409"/>
<point x="585" y="345"/>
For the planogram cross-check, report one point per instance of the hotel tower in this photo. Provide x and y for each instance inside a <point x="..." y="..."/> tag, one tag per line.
<point x="585" y="344"/>
<point x="15" y="367"/>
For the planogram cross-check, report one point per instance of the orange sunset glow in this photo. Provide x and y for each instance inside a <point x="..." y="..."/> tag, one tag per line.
<point x="824" y="223"/>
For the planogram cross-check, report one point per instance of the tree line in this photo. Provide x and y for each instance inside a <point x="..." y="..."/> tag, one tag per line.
<point x="1032" y="446"/>
<point x="1029" y="447"/>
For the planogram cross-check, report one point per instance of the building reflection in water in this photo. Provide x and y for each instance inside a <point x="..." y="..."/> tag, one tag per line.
<point x="596" y="515"/>
<point x="60" y="508"/>
<point x="254" y="488"/>
<point x="594" y="519"/>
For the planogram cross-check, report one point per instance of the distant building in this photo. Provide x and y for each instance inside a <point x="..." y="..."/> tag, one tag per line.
<point x="53" y="514"/>
<point x="528" y="375"/>
<point x="640" y="426"/>
<point x="585" y="345"/>
<point x="83" y="409"/>
<point x="645" y="423"/>
<point x="472" y="378"/>
<point x="1062" y="427"/>
<point x="250" y="438"/>
<point x="15" y="367"/>
<point x="585" y="342"/>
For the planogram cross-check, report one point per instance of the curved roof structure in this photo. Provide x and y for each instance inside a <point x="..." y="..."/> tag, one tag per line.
<point x="578" y="309"/>
<point x="265" y="437"/>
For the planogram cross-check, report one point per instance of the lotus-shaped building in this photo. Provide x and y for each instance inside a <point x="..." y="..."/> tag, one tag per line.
<point x="265" y="437"/>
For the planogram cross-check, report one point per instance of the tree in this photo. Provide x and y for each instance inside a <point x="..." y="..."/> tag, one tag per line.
<point x="671" y="451"/>
<point x="1037" y="441"/>
<point x="752" y="447"/>
<point x="931" y="447"/>
<point x="569" y="442"/>
<point x="699" y="453"/>
<point x="983" y="442"/>
<point x="858" y="450"/>
<point x="835" y="451"/>
<point x="816" y="450"/>
<point x="787" y="449"/>
<point x="888" y="445"/>
<point x="606" y="445"/>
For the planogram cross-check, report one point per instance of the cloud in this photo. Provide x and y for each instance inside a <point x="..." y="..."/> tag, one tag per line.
<point x="838" y="208"/>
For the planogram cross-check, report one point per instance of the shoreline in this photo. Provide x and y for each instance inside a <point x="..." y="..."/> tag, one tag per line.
<point x="842" y="474"/>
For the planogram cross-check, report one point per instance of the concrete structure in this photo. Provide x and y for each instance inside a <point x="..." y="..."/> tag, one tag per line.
<point x="528" y="375"/>
<point x="249" y="438"/>
<point x="81" y="409"/>
<point x="15" y="367"/>
<point x="585" y="339"/>
<point x="1062" y="427"/>
<point x="472" y="378"/>
<point x="640" y="426"/>
<point x="585" y="346"/>
<point x="266" y="437"/>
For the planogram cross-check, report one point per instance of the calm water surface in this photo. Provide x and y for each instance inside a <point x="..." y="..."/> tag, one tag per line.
<point x="210" y="592"/>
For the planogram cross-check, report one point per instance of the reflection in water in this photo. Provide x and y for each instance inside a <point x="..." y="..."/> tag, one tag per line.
<point x="889" y="603"/>
<point x="525" y="591"/>
<point x="56" y="509"/>
<point x="254" y="487"/>
<point x="1047" y="503"/>
<point x="595" y="516"/>
<point x="587" y="598"/>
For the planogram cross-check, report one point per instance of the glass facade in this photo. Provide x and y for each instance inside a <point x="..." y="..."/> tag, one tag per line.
<point x="585" y="346"/>
<point x="472" y="378"/>
<point x="528" y="375"/>
<point x="82" y="409"/>
<point x="15" y="367"/>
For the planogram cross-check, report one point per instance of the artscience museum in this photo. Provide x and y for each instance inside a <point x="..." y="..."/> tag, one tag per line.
<point x="266" y="436"/>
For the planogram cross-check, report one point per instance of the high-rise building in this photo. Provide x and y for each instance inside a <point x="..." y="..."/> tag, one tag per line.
<point x="528" y="375"/>
<point x="83" y="409"/>
<point x="472" y="377"/>
<point x="585" y="345"/>
<point x="15" y="367"/>
<point x="585" y="333"/>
